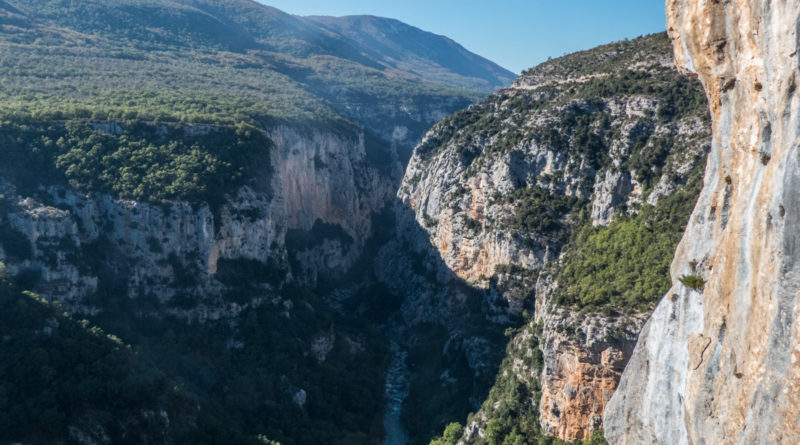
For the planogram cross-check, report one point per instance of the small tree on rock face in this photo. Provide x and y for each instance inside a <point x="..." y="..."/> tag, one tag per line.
<point x="596" y="438"/>
<point x="496" y="431"/>
<point x="694" y="282"/>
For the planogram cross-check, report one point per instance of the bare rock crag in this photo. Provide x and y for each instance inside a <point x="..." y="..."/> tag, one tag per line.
<point x="719" y="363"/>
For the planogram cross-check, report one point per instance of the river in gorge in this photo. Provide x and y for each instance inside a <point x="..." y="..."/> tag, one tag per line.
<point x="397" y="386"/>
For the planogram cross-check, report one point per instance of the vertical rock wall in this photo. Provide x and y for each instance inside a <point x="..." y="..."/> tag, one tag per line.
<point x="168" y="249"/>
<point x="719" y="363"/>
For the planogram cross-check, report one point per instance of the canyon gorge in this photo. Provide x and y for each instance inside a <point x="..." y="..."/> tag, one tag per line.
<point x="310" y="230"/>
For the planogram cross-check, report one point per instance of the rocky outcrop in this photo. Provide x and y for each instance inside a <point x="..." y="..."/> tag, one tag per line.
<point x="320" y="201"/>
<point x="563" y="134"/>
<point x="77" y="241"/>
<point x="717" y="361"/>
<point x="583" y="361"/>
<point x="330" y="191"/>
<point x="326" y="177"/>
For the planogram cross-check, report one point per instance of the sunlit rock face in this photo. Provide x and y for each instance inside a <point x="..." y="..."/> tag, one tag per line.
<point x="583" y="360"/>
<point x="718" y="364"/>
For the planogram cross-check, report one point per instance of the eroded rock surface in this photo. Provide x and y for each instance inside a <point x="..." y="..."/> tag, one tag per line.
<point x="601" y="137"/>
<point x="309" y="218"/>
<point x="718" y="364"/>
<point x="583" y="361"/>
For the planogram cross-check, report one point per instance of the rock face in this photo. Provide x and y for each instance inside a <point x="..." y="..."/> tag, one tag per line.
<point x="151" y="245"/>
<point x="583" y="361"/>
<point x="718" y="364"/>
<point x="327" y="177"/>
<point x="558" y="131"/>
<point x="320" y="201"/>
<point x="497" y="189"/>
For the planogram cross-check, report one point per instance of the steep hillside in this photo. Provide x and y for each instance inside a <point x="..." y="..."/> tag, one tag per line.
<point x="224" y="62"/>
<point x="229" y="47"/>
<point x="563" y="197"/>
<point x="241" y="26"/>
<point x="717" y="361"/>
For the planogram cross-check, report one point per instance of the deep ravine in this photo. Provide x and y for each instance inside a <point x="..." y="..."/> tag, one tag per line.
<point x="288" y="280"/>
<point x="560" y="201"/>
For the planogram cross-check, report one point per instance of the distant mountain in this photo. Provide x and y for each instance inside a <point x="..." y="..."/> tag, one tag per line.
<point x="409" y="49"/>
<point x="99" y="55"/>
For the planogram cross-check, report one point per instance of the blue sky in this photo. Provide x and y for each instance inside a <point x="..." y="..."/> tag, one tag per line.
<point x="516" y="34"/>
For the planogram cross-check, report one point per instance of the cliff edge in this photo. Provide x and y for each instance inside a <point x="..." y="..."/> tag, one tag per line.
<point x="717" y="361"/>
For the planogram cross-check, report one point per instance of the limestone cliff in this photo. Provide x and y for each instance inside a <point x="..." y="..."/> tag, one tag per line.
<point x="583" y="360"/>
<point x="320" y="200"/>
<point x="717" y="361"/>
<point x="501" y="189"/>
<point x="600" y="126"/>
<point x="228" y="285"/>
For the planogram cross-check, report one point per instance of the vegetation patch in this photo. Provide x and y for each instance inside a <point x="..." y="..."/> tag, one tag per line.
<point x="246" y="271"/>
<point x="252" y="369"/>
<point x="538" y="210"/>
<point x="694" y="282"/>
<point x="57" y="372"/>
<point x="143" y="162"/>
<point x="625" y="265"/>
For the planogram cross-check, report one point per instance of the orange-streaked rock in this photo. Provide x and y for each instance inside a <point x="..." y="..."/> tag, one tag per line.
<point x="719" y="364"/>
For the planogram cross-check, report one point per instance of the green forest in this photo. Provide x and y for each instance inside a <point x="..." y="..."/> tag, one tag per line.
<point x="57" y="370"/>
<point x="142" y="162"/>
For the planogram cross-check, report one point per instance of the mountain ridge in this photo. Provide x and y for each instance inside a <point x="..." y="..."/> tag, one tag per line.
<point x="423" y="44"/>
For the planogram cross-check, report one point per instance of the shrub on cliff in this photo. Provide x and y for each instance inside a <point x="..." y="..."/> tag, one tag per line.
<point x="694" y="282"/>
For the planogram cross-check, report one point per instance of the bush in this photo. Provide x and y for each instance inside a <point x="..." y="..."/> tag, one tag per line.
<point x="537" y="210"/>
<point x="452" y="433"/>
<point x="694" y="282"/>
